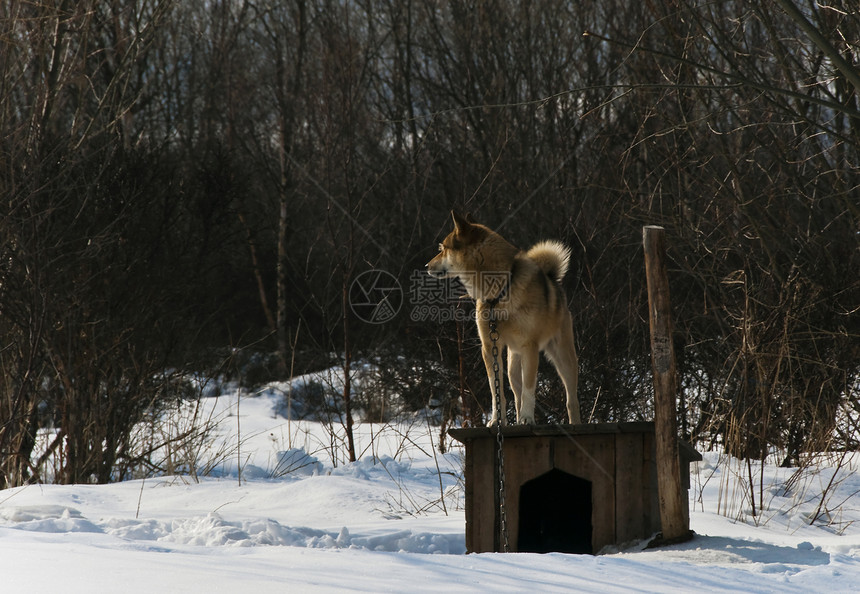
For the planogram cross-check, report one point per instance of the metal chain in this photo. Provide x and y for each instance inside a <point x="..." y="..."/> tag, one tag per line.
<point x="500" y="440"/>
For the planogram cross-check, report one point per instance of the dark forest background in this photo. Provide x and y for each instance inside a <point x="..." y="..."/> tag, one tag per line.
<point x="191" y="188"/>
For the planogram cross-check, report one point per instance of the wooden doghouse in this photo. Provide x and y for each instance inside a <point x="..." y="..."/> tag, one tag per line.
<point x="568" y="488"/>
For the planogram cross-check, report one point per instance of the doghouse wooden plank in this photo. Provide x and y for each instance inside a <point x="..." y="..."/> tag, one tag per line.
<point x="604" y="492"/>
<point x="525" y="459"/>
<point x="592" y="457"/>
<point x="630" y="503"/>
<point x="470" y="500"/>
<point x="650" y="493"/>
<point x="481" y="515"/>
<point x="470" y="433"/>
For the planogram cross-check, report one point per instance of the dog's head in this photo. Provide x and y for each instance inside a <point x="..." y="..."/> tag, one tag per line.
<point x="454" y="252"/>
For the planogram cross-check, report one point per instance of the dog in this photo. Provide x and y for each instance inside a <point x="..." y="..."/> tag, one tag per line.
<point x="522" y="291"/>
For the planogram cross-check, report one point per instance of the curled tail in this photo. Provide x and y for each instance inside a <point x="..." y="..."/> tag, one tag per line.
<point x="552" y="257"/>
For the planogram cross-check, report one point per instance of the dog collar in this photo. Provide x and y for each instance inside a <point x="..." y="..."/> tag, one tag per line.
<point x="495" y="300"/>
<point x="503" y="293"/>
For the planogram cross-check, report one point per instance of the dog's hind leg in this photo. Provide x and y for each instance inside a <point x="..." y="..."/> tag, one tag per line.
<point x="487" y="354"/>
<point x="562" y="353"/>
<point x="526" y="406"/>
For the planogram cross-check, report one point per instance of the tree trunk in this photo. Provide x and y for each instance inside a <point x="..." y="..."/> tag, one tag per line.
<point x="665" y="387"/>
<point x="347" y="380"/>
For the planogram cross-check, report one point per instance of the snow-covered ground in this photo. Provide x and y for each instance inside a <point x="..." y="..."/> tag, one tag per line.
<point x="299" y="519"/>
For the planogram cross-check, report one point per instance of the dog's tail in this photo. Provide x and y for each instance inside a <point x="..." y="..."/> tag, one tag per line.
<point x="553" y="257"/>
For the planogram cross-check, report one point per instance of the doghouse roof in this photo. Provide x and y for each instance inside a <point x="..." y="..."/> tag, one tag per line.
<point x="685" y="450"/>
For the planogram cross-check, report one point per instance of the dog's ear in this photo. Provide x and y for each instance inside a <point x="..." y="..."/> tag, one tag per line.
<point x="461" y="223"/>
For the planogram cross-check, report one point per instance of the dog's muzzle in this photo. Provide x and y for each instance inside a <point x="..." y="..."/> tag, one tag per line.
<point x="437" y="273"/>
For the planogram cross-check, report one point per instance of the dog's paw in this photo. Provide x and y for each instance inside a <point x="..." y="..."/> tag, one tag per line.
<point x="492" y="422"/>
<point x="526" y="421"/>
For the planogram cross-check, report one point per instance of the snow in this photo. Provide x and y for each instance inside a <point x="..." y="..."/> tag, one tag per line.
<point x="301" y="519"/>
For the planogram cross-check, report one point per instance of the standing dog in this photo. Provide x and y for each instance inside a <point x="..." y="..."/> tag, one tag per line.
<point x="522" y="291"/>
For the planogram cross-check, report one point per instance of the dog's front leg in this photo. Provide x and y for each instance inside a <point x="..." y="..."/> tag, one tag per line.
<point x="526" y="411"/>
<point x="515" y="377"/>
<point x="491" y="376"/>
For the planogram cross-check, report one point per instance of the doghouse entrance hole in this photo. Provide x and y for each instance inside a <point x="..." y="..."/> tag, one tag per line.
<point x="555" y="514"/>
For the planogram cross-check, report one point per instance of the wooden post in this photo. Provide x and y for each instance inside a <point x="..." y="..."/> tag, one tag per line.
<point x="675" y="528"/>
